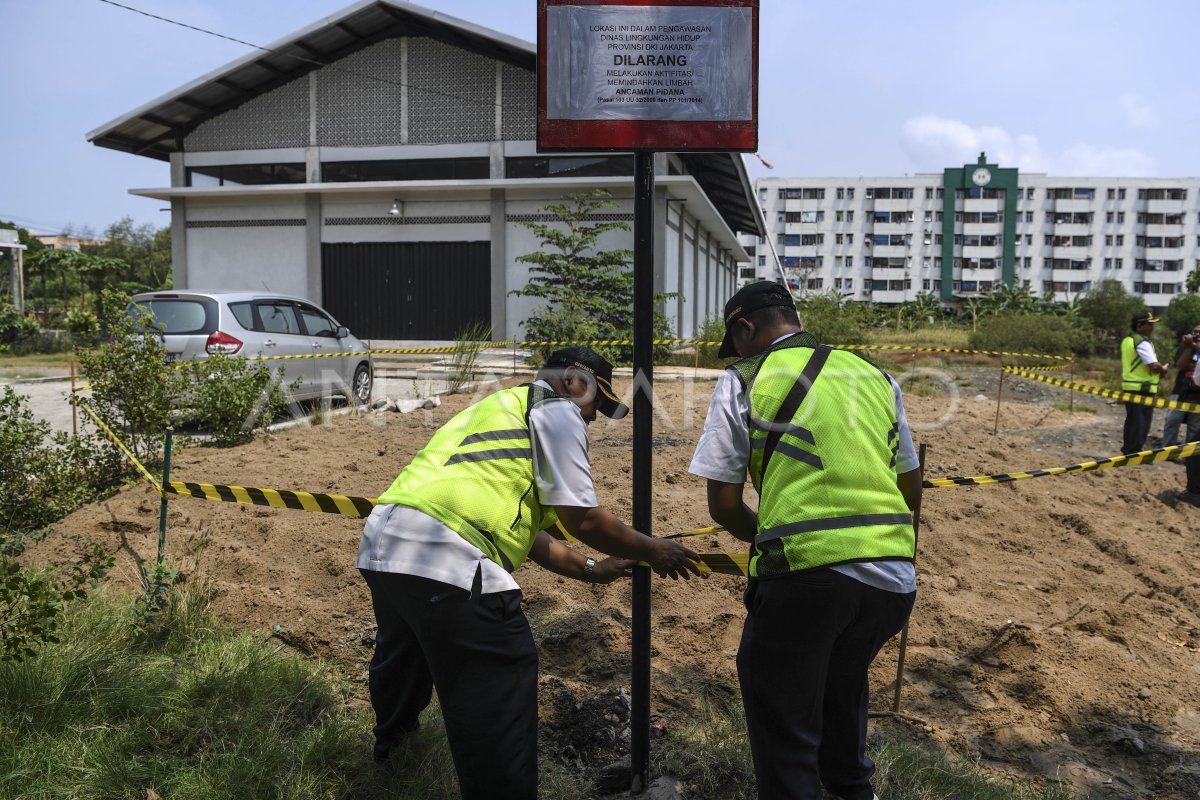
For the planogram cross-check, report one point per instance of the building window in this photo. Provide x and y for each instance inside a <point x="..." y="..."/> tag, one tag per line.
<point x="762" y="261"/>
<point x="1120" y="217"/>
<point x="928" y="192"/>
<point x="1029" y="193"/>
<point x="1029" y="216"/>
<point x="849" y="238"/>
<point x="415" y="169"/>
<point x="841" y="193"/>
<point x="1029" y="238"/>
<point x="1028" y="262"/>
<point x="849" y="261"/>
<point x="937" y="216"/>
<point x="543" y="167"/>
<point x="839" y="216"/>
<point x="1112" y="194"/>
<point x="1108" y="240"/>
<point x="1120" y="239"/>
<point x="838" y="238"/>
<point x="849" y="216"/>
<point x="850" y="193"/>
<point x="246" y="174"/>
<point x="1108" y="217"/>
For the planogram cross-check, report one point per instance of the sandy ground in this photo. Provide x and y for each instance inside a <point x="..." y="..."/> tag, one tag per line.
<point x="1055" y="633"/>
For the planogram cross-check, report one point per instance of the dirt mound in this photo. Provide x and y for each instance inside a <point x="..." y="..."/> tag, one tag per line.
<point x="1055" y="633"/>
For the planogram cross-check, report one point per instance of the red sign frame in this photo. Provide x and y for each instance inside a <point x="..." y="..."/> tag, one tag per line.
<point x="656" y="135"/>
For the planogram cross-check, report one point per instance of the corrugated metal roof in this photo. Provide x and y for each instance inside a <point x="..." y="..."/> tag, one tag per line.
<point x="159" y="127"/>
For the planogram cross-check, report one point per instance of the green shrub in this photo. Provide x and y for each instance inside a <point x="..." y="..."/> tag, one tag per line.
<point x="84" y="326"/>
<point x="15" y="328"/>
<point x="835" y="320"/>
<point x="133" y="387"/>
<point x="44" y="477"/>
<point x="232" y="398"/>
<point x="1034" y="333"/>
<point x="1182" y="313"/>
<point x="1108" y="307"/>
<point x="32" y="601"/>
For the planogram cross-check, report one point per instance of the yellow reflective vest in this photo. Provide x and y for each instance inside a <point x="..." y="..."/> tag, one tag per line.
<point x="1135" y="375"/>
<point x="476" y="476"/>
<point x="824" y="437"/>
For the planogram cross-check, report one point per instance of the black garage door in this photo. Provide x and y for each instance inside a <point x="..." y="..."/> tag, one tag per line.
<point x="407" y="290"/>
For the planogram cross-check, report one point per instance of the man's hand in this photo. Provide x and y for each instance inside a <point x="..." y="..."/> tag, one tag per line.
<point x="668" y="557"/>
<point x="612" y="568"/>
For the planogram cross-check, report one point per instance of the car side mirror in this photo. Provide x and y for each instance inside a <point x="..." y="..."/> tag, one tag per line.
<point x="342" y="332"/>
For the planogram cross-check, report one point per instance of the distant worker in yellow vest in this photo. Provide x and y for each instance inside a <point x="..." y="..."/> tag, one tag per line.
<point x="1140" y="371"/>
<point x="825" y="440"/>
<point x="438" y="551"/>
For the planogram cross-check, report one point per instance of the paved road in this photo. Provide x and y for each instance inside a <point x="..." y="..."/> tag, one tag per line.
<point x="48" y="400"/>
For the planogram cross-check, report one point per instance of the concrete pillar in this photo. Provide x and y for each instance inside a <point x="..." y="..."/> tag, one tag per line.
<point x="499" y="257"/>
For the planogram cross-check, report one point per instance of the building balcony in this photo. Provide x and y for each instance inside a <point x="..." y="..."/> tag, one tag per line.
<point x="1164" y="229"/>
<point x="893" y="227"/>
<point x="890" y="251"/>
<point x="1071" y="206"/>
<point x="1072" y="252"/>
<point x="982" y="204"/>
<point x="982" y="229"/>
<point x="982" y="251"/>
<point x="1069" y="275"/>
<point x="893" y="204"/>
<point x="1165" y="206"/>
<point x="889" y="296"/>
<point x="1072" y="229"/>
<point x="1160" y="253"/>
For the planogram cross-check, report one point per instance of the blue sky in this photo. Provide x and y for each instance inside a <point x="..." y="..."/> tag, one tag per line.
<point x="851" y="87"/>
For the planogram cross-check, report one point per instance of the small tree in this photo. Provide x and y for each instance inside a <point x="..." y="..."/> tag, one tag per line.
<point x="1108" y="307"/>
<point x="588" y="291"/>
<point x="133" y="386"/>
<point x="1182" y="313"/>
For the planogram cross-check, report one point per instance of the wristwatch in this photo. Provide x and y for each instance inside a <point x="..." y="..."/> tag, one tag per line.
<point x="589" y="570"/>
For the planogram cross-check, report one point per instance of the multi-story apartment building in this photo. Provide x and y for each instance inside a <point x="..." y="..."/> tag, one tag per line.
<point x="964" y="232"/>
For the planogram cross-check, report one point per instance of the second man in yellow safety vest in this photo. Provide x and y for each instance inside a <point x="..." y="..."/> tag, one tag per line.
<point x="824" y="438"/>
<point x="1140" y="371"/>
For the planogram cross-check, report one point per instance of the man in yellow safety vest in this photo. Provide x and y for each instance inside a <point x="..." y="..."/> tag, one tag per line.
<point x="825" y="440"/>
<point x="1140" y="371"/>
<point x="438" y="551"/>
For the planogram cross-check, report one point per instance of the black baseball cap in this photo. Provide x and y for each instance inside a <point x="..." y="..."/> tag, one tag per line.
<point x="1143" y="316"/>
<point x="588" y="360"/>
<point x="747" y="300"/>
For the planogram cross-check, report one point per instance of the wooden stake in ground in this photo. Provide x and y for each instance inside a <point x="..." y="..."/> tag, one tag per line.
<point x="904" y="631"/>
<point x="74" y="408"/>
<point x="999" y="393"/>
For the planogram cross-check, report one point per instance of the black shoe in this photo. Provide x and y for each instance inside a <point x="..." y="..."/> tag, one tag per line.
<point x="1188" y="497"/>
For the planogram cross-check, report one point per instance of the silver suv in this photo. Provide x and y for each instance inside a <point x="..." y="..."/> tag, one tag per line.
<point x="198" y="324"/>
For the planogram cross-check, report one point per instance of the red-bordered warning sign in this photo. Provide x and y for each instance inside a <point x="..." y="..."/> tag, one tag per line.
<point x="664" y="75"/>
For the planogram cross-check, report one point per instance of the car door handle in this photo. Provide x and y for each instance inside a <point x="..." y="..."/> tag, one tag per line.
<point x="268" y="342"/>
<point x="316" y="345"/>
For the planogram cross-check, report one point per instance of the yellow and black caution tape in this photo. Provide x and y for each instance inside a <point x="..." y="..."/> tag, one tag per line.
<point x="1144" y="457"/>
<point x="341" y="504"/>
<point x="1125" y="397"/>
<point x="121" y="446"/>
<point x="959" y="350"/>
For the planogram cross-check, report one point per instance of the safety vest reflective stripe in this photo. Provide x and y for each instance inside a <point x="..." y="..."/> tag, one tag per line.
<point x="490" y="455"/>
<point x="831" y="523"/>
<point x="490" y="436"/>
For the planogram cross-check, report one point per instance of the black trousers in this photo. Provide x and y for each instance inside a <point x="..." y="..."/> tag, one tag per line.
<point x="1137" y="426"/>
<point x="478" y="651"/>
<point x="1192" y="421"/>
<point x="808" y="641"/>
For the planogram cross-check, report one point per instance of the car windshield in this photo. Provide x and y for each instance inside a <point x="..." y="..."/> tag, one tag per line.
<point x="182" y="316"/>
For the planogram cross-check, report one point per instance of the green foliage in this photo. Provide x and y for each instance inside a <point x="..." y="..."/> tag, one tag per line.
<point x="84" y="326"/>
<point x="1182" y="313"/>
<point x="834" y="319"/>
<point x="143" y="253"/>
<point x="44" y="477"/>
<point x="133" y="386"/>
<point x="1034" y="333"/>
<point x="587" y="291"/>
<point x="32" y="602"/>
<point x="467" y="344"/>
<point x="15" y="328"/>
<point x="1108" y="307"/>
<point x="232" y="398"/>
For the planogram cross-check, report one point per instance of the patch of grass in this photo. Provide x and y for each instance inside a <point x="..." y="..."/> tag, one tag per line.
<point x="1079" y="408"/>
<point x="24" y="364"/>
<point x="712" y="758"/>
<point x="929" y="336"/>
<point x="906" y="772"/>
<point x="190" y="708"/>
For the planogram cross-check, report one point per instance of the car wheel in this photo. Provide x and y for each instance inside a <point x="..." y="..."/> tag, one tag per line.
<point x="362" y="384"/>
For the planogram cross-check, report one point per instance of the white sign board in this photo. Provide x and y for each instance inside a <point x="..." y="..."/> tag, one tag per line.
<point x="661" y="63"/>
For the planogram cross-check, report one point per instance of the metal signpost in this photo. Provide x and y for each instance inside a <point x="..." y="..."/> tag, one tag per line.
<point x="646" y="76"/>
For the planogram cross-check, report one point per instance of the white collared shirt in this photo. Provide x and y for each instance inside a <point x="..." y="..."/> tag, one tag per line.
<point x="404" y="540"/>
<point x="723" y="454"/>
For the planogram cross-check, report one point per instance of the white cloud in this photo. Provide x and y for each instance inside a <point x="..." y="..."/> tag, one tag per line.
<point x="934" y="142"/>
<point x="1137" y="113"/>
